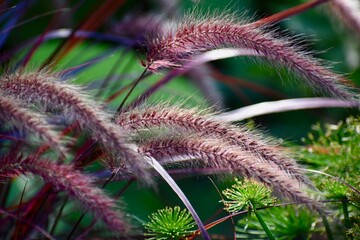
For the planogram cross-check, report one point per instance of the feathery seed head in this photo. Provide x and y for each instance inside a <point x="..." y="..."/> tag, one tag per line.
<point x="65" y="178"/>
<point x="200" y="122"/>
<point x="47" y="90"/>
<point x="13" y="112"/>
<point x="190" y="38"/>
<point x="220" y="155"/>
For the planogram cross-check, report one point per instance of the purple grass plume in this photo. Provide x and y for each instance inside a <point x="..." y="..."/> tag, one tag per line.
<point x="193" y="36"/>
<point x="201" y="122"/>
<point x="45" y="88"/>
<point x="220" y="155"/>
<point x="11" y="111"/>
<point x="67" y="179"/>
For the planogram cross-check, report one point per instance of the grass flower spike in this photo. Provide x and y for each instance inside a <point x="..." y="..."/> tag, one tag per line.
<point x="193" y="36"/>
<point x="46" y="89"/>
<point x="219" y="155"/>
<point x="12" y="112"/>
<point x="65" y="178"/>
<point x="201" y="122"/>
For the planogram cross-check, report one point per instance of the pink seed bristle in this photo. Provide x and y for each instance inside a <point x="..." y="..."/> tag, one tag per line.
<point x="44" y="88"/>
<point x="13" y="112"/>
<point x="193" y="36"/>
<point x="218" y="154"/>
<point x="200" y="122"/>
<point x="67" y="179"/>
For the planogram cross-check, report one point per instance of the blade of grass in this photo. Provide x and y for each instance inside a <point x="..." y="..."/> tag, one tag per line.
<point x="263" y="225"/>
<point x="283" y="106"/>
<point x="170" y="181"/>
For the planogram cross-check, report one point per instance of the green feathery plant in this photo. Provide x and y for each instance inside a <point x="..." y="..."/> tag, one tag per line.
<point x="284" y="222"/>
<point x="170" y="223"/>
<point x="333" y="151"/>
<point x="251" y="195"/>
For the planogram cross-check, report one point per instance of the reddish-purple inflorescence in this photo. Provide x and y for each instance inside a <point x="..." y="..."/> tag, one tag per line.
<point x="44" y="88"/>
<point x="67" y="179"/>
<point x="192" y="36"/>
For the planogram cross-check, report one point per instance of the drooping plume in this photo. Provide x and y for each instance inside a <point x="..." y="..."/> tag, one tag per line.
<point x="219" y="155"/>
<point x="193" y="36"/>
<point x="12" y="112"/>
<point x="67" y="179"/>
<point x="201" y="123"/>
<point x="46" y="89"/>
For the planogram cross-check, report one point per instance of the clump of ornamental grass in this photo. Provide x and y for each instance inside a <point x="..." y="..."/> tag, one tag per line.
<point x="169" y="223"/>
<point x="29" y="100"/>
<point x="47" y="90"/>
<point x="193" y="35"/>
<point x="202" y="123"/>
<point x="65" y="178"/>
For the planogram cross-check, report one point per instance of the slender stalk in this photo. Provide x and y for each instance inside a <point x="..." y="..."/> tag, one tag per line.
<point x="288" y="13"/>
<point x="327" y="228"/>
<point x="263" y="224"/>
<point x="170" y="181"/>
<point x="76" y="225"/>
<point x="16" y="236"/>
<point x="5" y="189"/>
<point x="58" y="216"/>
<point x="132" y="89"/>
<point x="344" y="203"/>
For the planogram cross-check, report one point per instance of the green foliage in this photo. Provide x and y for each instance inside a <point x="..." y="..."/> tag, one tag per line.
<point x="169" y="223"/>
<point x="247" y="194"/>
<point x="334" y="148"/>
<point x="284" y="222"/>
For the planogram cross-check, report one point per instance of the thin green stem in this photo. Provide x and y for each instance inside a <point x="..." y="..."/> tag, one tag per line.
<point x="327" y="228"/>
<point x="263" y="224"/>
<point x="58" y="216"/>
<point x="346" y="213"/>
